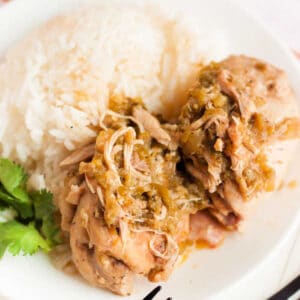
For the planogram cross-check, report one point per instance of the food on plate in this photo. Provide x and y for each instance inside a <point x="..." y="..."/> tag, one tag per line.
<point x="125" y="205"/>
<point x="232" y="122"/>
<point x="27" y="220"/>
<point x="146" y="147"/>
<point x="56" y="83"/>
<point x="146" y="187"/>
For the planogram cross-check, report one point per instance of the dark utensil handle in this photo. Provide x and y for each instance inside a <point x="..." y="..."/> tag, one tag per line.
<point x="288" y="291"/>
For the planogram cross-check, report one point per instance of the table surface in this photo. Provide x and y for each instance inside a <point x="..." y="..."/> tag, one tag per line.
<point x="283" y="17"/>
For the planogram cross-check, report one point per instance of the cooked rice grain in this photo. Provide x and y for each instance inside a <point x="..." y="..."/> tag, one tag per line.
<point x="56" y="83"/>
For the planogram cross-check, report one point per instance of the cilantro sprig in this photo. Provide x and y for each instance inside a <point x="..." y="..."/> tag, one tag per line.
<point x="16" y="237"/>
<point x="44" y="212"/>
<point x="34" y="226"/>
<point x="13" y="188"/>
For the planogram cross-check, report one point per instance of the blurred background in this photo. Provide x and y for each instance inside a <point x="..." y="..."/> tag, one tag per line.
<point x="281" y="16"/>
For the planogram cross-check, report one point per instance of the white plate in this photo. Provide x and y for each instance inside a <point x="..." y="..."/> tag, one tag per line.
<point x="207" y="273"/>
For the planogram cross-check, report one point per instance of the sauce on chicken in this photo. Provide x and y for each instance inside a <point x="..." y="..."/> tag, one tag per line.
<point x="147" y="188"/>
<point x="126" y="206"/>
<point x="226" y="126"/>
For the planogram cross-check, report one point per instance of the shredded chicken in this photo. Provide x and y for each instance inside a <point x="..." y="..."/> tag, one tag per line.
<point x="68" y="201"/>
<point x="228" y="87"/>
<point x="97" y="266"/>
<point x="152" y="125"/>
<point x="75" y="193"/>
<point x="204" y="228"/>
<point x="226" y="128"/>
<point x="144" y="188"/>
<point x="79" y="155"/>
<point x="126" y="208"/>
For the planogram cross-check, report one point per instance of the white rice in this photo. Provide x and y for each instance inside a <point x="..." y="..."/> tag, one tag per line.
<point x="56" y="83"/>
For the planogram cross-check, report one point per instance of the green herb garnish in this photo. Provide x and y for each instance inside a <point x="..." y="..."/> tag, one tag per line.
<point x="33" y="226"/>
<point x="16" y="237"/>
<point x="44" y="212"/>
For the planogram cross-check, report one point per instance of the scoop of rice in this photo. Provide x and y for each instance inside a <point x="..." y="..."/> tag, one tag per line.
<point x="56" y="83"/>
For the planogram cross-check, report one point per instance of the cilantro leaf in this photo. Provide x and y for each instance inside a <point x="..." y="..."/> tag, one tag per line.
<point x="42" y="232"/>
<point x="44" y="211"/>
<point x="24" y="209"/>
<point x="5" y="197"/>
<point x="13" y="179"/>
<point x="11" y="174"/>
<point x="2" y="206"/>
<point x="16" y="237"/>
<point x="51" y="231"/>
<point x="42" y="202"/>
